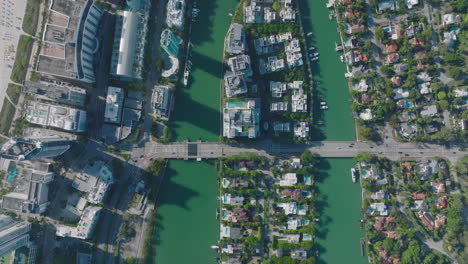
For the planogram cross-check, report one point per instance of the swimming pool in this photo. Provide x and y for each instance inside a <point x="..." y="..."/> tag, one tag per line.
<point x="12" y="175"/>
<point x="235" y="104"/>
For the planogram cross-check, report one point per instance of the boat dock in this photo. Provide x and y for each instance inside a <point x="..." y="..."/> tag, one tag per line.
<point x="361" y="242"/>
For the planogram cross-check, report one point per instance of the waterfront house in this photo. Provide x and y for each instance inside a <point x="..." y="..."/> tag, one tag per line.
<point x="294" y="59"/>
<point x="269" y="15"/>
<point x="442" y="202"/>
<point x="299" y="101"/>
<point x="428" y="111"/>
<point x="426" y="219"/>
<point x="360" y="86"/>
<point x="301" y="129"/>
<point x="461" y="92"/>
<point x="288" y="179"/>
<point x="354" y="27"/>
<point x="240" y="64"/>
<point x="384" y="223"/>
<point x="290" y="238"/>
<point x="351" y="42"/>
<point x="235" y="84"/>
<point x="381" y="208"/>
<point x="438" y="187"/>
<point x="230" y="232"/>
<point x="233" y="199"/>
<point x="299" y="254"/>
<point x="294" y="194"/>
<point x="295" y="222"/>
<point x="288" y="14"/>
<point x="236" y="41"/>
<point x="237" y="215"/>
<point x="242" y="119"/>
<point x="366" y="114"/>
<point x="380" y="195"/>
<point x="233" y="248"/>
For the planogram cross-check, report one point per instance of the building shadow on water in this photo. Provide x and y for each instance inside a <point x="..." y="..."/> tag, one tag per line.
<point x="195" y="113"/>
<point x="207" y="64"/>
<point x="202" y="29"/>
<point x="173" y="193"/>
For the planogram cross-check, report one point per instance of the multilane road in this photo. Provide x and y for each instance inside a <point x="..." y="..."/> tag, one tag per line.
<point x="328" y="149"/>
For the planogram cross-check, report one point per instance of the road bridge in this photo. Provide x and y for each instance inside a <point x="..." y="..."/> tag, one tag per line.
<point x="328" y="149"/>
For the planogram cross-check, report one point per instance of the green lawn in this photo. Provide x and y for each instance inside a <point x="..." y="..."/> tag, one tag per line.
<point x="14" y="92"/>
<point x="23" y="53"/>
<point x="6" y="116"/>
<point x="31" y="17"/>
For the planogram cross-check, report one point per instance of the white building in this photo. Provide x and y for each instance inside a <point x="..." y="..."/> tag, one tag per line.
<point x="95" y="180"/>
<point x="288" y="179"/>
<point x="85" y="227"/>
<point x="366" y="114"/>
<point x="61" y="117"/>
<point x="299" y="101"/>
<point x="114" y="105"/>
<point x="129" y="42"/>
<point x="161" y="100"/>
<point x="301" y="129"/>
<point x="175" y="14"/>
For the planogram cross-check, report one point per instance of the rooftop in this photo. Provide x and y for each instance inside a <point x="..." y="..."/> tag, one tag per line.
<point x="66" y="118"/>
<point x="57" y="92"/>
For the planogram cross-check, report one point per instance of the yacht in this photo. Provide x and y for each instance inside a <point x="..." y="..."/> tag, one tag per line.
<point x="316" y="54"/>
<point x="309" y="34"/>
<point x="324" y="107"/>
<point x="314" y="59"/>
<point x="353" y="174"/>
<point x="323" y="103"/>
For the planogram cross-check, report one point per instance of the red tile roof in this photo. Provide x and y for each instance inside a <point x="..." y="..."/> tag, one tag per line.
<point x="426" y="219"/>
<point x="418" y="196"/>
<point x="392" y="47"/>
<point x="440" y="221"/>
<point x="396" y="80"/>
<point x="442" y="202"/>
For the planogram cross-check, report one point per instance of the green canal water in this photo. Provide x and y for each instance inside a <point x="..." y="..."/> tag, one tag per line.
<point x="196" y="114"/>
<point x="329" y="74"/>
<point x="186" y="211"/>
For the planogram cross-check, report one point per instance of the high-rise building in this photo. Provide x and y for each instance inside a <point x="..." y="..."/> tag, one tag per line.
<point x="13" y="234"/>
<point x="35" y="147"/>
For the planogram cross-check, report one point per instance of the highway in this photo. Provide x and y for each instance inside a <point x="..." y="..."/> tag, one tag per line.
<point x="328" y="149"/>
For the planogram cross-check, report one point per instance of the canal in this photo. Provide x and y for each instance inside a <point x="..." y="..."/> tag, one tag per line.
<point x="339" y="200"/>
<point x="196" y="114"/>
<point x="186" y="211"/>
<point x="187" y="224"/>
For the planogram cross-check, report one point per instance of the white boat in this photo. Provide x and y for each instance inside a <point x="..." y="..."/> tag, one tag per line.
<point x="309" y="34"/>
<point x="323" y="103"/>
<point x="311" y="48"/>
<point x="316" y="54"/>
<point x="324" y="107"/>
<point x="353" y="174"/>
<point x="342" y="58"/>
<point x="314" y="59"/>
<point x="214" y="247"/>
